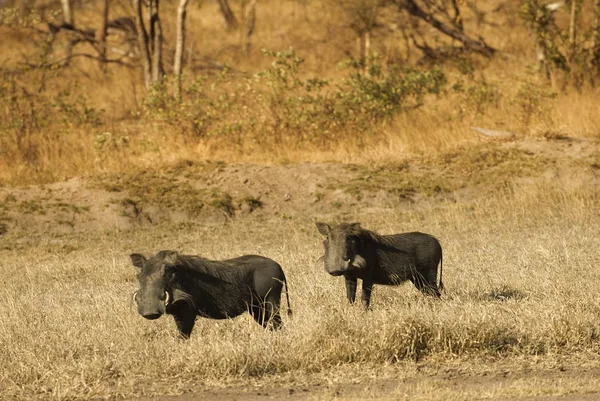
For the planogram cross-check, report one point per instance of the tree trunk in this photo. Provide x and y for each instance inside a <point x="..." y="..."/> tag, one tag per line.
<point x="572" y="29"/>
<point x="228" y="17"/>
<point x="179" y="47"/>
<point x="596" y="38"/>
<point x="25" y="7"/>
<point x="364" y="49"/>
<point x="156" y="42"/>
<point x="101" y="34"/>
<point x="67" y="8"/>
<point x="143" y="43"/>
<point x="575" y="72"/>
<point x="249" y="24"/>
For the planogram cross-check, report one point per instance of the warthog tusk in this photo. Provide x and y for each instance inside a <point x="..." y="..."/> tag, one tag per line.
<point x="359" y="262"/>
<point x="135" y="297"/>
<point x="166" y="297"/>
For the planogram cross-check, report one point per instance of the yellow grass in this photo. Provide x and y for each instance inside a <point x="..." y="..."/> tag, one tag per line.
<point x="520" y="272"/>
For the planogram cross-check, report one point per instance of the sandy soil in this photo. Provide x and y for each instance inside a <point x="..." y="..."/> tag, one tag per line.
<point x="506" y="385"/>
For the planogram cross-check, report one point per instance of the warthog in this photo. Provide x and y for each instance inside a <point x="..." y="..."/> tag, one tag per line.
<point x="354" y="253"/>
<point x="186" y="286"/>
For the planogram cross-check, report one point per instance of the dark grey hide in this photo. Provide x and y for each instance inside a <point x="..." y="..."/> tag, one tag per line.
<point x="355" y="253"/>
<point x="187" y="286"/>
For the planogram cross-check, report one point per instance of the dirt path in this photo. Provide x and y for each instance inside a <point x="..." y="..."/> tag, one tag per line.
<point x="563" y="385"/>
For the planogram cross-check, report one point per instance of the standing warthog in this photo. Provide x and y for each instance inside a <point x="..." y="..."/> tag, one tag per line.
<point x="185" y="286"/>
<point x="354" y="253"/>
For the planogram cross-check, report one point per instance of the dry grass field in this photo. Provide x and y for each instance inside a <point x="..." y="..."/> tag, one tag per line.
<point x="520" y="316"/>
<point x="93" y="169"/>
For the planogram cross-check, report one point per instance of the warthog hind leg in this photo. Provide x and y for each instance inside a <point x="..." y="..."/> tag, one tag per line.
<point x="267" y="314"/>
<point x="427" y="285"/>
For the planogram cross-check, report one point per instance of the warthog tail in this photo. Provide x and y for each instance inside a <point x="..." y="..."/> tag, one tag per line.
<point x="287" y="296"/>
<point x="441" y="265"/>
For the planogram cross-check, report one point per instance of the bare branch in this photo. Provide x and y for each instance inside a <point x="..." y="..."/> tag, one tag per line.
<point x="156" y="42"/>
<point x="102" y="32"/>
<point x="228" y="17"/>
<point x="493" y="133"/>
<point x="452" y="31"/>
<point x="82" y="55"/>
<point x="143" y="43"/>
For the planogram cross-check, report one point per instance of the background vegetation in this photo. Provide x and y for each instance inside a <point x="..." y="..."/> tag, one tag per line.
<point x="312" y="81"/>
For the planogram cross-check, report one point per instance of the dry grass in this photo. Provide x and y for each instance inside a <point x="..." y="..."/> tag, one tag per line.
<point x="520" y="271"/>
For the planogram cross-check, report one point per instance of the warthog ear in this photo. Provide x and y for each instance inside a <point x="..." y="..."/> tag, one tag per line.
<point x="323" y="228"/>
<point x="171" y="258"/>
<point x="138" y="260"/>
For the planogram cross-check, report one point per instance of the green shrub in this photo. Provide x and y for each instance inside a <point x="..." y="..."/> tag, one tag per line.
<point x="279" y="104"/>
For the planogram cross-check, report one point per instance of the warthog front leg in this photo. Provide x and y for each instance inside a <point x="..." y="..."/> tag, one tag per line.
<point x="367" y="288"/>
<point x="185" y="317"/>
<point x="351" y="289"/>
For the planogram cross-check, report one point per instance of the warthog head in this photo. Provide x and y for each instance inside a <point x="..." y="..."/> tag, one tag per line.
<point x="342" y="247"/>
<point x="154" y="276"/>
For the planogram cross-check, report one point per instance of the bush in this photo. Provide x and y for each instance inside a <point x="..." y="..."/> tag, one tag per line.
<point x="279" y="105"/>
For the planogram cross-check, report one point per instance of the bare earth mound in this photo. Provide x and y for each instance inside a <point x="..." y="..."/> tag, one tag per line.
<point x="219" y="192"/>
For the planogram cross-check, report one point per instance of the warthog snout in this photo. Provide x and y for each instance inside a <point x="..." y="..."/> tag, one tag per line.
<point x="150" y="306"/>
<point x="151" y="311"/>
<point x="337" y="269"/>
<point x="152" y="315"/>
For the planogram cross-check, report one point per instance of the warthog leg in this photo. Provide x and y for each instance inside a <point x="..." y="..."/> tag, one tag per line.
<point x="427" y="285"/>
<point x="367" y="288"/>
<point x="266" y="313"/>
<point x="185" y="317"/>
<point x="351" y="289"/>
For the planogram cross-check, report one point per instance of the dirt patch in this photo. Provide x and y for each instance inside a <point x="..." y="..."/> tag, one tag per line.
<point x="447" y="384"/>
